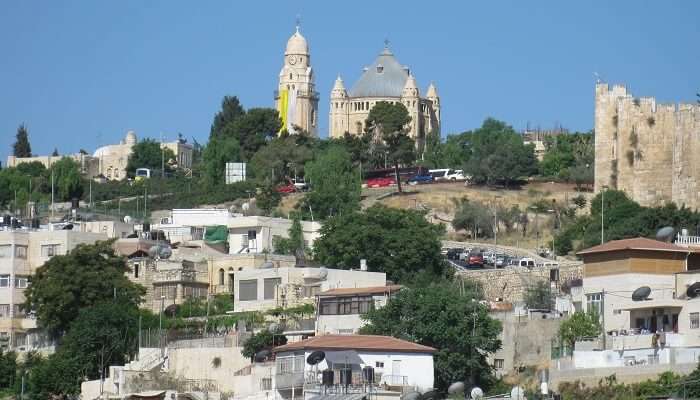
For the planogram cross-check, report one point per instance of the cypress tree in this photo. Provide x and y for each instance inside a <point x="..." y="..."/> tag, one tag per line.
<point x="22" y="148"/>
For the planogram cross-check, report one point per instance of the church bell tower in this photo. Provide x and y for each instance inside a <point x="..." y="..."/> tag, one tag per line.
<point x="296" y="98"/>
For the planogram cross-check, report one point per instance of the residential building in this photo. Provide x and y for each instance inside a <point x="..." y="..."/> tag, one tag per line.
<point x="395" y="366"/>
<point x="339" y="310"/>
<point x="645" y="293"/>
<point x="22" y="251"/>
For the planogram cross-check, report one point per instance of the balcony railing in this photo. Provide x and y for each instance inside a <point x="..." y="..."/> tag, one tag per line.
<point x="300" y="93"/>
<point x="687" y="240"/>
<point x="175" y="276"/>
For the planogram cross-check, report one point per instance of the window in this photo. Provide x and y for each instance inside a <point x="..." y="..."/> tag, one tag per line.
<point x="50" y="250"/>
<point x="136" y="270"/>
<point x="21" y="282"/>
<point x="20" y="339"/>
<point x="379" y="364"/>
<point x="248" y="290"/>
<point x="290" y="364"/>
<point x="593" y="302"/>
<point x="498" y="363"/>
<point x="270" y="287"/>
<point x="20" y="251"/>
<point x="4" y="281"/>
<point x="167" y="291"/>
<point x="4" y="311"/>
<point x="5" y="251"/>
<point x="347" y="305"/>
<point x="19" y="310"/>
<point x="221" y="277"/>
<point x="311" y="291"/>
<point x="266" y="384"/>
<point x="694" y="320"/>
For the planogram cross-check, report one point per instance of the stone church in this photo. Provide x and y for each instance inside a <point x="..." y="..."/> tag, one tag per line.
<point x="296" y="98"/>
<point x="385" y="80"/>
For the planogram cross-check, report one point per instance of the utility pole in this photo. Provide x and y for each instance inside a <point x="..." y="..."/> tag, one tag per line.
<point x="145" y="196"/>
<point x="162" y="157"/>
<point x="602" y="313"/>
<point x="52" y="199"/>
<point x="602" y="216"/>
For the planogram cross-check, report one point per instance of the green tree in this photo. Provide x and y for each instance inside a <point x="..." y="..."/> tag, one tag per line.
<point x="453" y="152"/>
<point x="539" y="296"/>
<point x="255" y="128"/>
<point x="8" y="369"/>
<point x="580" y="325"/>
<point x="335" y="184"/>
<point x="102" y="335"/>
<point x="448" y="317"/>
<point x="387" y="122"/>
<point x="67" y="180"/>
<point x="218" y="152"/>
<point x="66" y="284"/>
<point x="498" y="154"/>
<point x="11" y="181"/>
<point x="399" y="242"/>
<point x="281" y="159"/>
<point x="33" y="169"/>
<point x="475" y="217"/>
<point x="231" y="110"/>
<point x="263" y="340"/>
<point x="22" y="148"/>
<point x="294" y="244"/>
<point x="148" y="154"/>
<point x="58" y="378"/>
<point x="267" y="197"/>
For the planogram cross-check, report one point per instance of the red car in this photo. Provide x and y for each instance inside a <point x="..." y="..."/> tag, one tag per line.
<point x="380" y="182"/>
<point x="286" y="188"/>
<point x="475" y="260"/>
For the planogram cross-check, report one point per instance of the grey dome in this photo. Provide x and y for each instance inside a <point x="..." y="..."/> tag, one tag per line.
<point x="384" y="78"/>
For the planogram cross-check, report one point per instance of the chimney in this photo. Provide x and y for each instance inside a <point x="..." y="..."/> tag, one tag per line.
<point x="363" y="265"/>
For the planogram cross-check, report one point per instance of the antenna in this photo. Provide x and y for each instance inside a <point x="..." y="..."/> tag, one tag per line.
<point x="641" y="293"/>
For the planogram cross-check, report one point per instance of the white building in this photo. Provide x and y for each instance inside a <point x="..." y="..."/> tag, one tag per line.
<point x="397" y="366"/>
<point x="266" y="288"/>
<point x="339" y="310"/>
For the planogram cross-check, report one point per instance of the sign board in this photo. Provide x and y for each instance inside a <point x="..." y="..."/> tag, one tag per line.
<point x="235" y="172"/>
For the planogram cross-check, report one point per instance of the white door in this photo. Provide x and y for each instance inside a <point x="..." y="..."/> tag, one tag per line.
<point x="396" y="378"/>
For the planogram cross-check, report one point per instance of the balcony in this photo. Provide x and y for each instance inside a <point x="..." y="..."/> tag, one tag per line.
<point x="175" y="276"/>
<point x="314" y="95"/>
<point x="290" y="380"/>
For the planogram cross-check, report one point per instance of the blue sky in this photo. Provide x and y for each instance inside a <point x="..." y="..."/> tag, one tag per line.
<point x="81" y="73"/>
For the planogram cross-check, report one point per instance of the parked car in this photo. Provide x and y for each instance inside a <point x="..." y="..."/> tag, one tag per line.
<point x="500" y="262"/>
<point x="455" y="175"/>
<point x="475" y="260"/>
<point x="453" y="254"/>
<point x="416" y="179"/>
<point x="286" y="188"/>
<point x="300" y="185"/>
<point x="439" y="174"/>
<point x="380" y="182"/>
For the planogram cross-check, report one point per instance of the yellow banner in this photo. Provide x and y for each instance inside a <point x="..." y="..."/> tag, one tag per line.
<point x="283" y="107"/>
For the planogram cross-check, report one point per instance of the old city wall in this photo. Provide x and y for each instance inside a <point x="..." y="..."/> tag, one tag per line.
<point x="511" y="283"/>
<point x="646" y="149"/>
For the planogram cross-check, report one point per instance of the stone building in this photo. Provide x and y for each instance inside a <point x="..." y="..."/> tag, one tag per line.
<point x="385" y="80"/>
<point x="296" y="98"/>
<point x="646" y="149"/>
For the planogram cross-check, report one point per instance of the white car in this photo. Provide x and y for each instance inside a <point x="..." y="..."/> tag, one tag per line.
<point x="455" y="175"/>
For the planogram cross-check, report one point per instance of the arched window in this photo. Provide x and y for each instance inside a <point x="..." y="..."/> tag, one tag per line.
<point x="136" y="270"/>
<point x="221" y="277"/>
<point x="290" y="76"/>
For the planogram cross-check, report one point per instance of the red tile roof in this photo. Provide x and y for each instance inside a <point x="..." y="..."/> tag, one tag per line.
<point x="356" y="342"/>
<point x="634" y="244"/>
<point x="361" y="290"/>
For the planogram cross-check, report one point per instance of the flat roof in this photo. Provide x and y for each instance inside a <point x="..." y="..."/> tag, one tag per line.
<point x="361" y="290"/>
<point x="639" y="243"/>
<point x="356" y="342"/>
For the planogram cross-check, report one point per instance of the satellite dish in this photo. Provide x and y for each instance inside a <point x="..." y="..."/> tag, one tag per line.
<point x="165" y="252"/>
<point x="274" y="327"/>
<point x="457" y="387"/>
<point x="154" y="251"/>
<point x="665" y="234"/>
<point x="322" y="273"/>
<point x="517" y="393"/>
<point x="411" y="396"/>
<point x="693" y="290"/>
<point x="262" y="355"/>
<point x="641" y="293"/>
<point x="477" y="393"/>
<point x="127" y="219"/>
<point x="315" y="357"/>
<point x="67" y="227"/>
<point x="245" y="206"/>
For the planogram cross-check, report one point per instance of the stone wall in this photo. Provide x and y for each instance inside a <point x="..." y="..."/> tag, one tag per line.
<point x="646" y="149"/>
<point x="511" y="283"/>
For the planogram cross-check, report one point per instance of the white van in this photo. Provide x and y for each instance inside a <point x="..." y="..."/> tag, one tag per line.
<point x="439" y="174"/>
<point x="526" y="262"/>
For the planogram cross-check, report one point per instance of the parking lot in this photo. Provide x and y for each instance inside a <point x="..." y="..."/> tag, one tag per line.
<point x="485" y="257"/>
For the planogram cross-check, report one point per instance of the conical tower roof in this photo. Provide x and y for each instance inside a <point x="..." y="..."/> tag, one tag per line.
<point x="431" y="93"/>
<point x="339" y="88"/>
<point x="410" y="88"/>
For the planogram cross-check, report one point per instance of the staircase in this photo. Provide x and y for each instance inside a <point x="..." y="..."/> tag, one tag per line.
<point x="148" y="360"/>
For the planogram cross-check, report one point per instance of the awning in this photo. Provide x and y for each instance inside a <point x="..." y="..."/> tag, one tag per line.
<point x="655" y="303"/>
<point x="340" y="358"/>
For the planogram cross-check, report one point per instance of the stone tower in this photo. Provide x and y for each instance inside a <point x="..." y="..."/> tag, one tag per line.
<point x="339" y="123"/>
<point x="432" y="96"/>
<point x="296" y="98"/>
<point x="410" y="97"/>
<point x="646" y="149"/>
